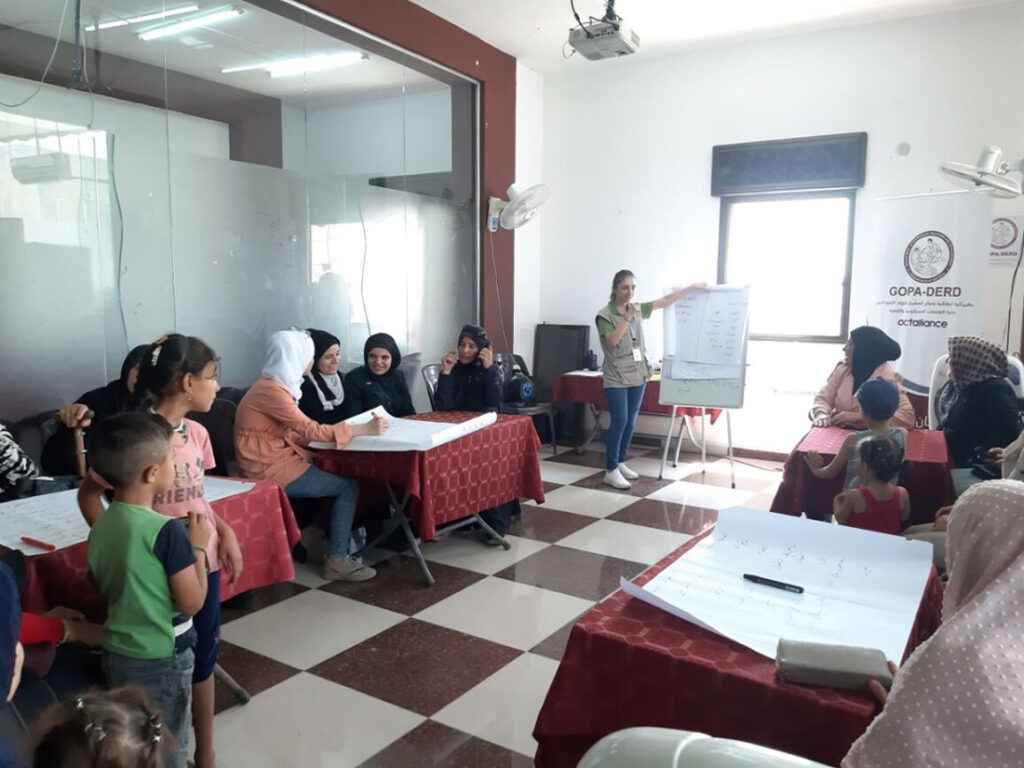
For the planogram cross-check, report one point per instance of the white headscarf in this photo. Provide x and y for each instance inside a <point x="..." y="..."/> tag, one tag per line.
<point x="959" y="699"/>
<point x="288" y="354"/>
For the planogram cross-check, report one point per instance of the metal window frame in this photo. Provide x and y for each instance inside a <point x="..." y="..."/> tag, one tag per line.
<point x="725" y="204"/>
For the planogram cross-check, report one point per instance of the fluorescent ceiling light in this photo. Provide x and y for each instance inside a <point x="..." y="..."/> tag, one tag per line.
<point x="302" y="65"/>
<point x="140" y="19"/>
<point x="199" y="20"/>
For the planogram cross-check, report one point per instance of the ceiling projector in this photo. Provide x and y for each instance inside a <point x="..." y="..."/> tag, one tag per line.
<point x="605" y="38"/>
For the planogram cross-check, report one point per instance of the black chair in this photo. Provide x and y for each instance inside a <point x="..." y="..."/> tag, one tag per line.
<point x="507" y="363"/>
<point x="220" y="423"/>
<point x="431" y="374"/>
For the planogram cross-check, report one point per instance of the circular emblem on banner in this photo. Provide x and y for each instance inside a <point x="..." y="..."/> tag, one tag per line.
<point x="1004" y="233"/>
<point x="928" y="257"/>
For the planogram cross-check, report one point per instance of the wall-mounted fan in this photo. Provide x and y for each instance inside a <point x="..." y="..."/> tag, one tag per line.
<point x="522" y="205"/>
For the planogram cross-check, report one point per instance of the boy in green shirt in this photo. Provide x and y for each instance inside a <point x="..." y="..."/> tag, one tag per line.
<point x="146" y="567"/>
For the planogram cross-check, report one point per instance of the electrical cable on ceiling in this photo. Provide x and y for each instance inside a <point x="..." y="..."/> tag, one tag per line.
<point x="579" y="21"/>
<point x="49" y="63"/>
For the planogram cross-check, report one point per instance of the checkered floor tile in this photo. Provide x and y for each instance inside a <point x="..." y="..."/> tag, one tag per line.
<point x="391" y="672"/>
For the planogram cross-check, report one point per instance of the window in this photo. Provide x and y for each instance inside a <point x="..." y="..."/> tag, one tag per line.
<point x="794" y="251"/>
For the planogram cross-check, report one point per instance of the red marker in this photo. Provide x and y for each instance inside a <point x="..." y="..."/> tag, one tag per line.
<point x="39" y="544"/>
<point x="375" y="416"/>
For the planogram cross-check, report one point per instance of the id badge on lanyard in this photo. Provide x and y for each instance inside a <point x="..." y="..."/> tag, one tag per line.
<point x="637" y="356"/>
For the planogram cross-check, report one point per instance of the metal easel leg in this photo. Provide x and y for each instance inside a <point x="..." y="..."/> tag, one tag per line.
<point x="668" y="442"/>
<point x="683" y="424"/>
<point x="232" y="685"/>
<point x="732" y="464"/>
<point x="703" y="444"/>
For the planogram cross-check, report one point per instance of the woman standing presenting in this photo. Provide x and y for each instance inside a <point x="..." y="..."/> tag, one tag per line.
<point x="620" y="327"/>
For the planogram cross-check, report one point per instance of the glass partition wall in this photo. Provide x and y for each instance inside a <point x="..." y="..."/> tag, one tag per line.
<point x="222" y="170"/>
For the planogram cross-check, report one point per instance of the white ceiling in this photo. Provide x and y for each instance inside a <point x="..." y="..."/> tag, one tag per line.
<point x="534" y="31"/>
<point x="255" y="36"/>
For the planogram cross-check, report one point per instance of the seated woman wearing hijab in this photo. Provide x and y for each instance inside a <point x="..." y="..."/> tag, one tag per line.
<point x="977" y="407"/>
<point x="58" y="457"/>
<point x="469" y="380"/>
<point x="868" y="352"/>
<point x="271" y="436"/>
<point x="956" y="700"/>
<point x="323" y="387"/>
<point x="378" y="382"/>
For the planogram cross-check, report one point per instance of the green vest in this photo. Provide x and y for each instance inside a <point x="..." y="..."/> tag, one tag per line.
<point x="140" y="606"/>
<point x="620" y="369"/>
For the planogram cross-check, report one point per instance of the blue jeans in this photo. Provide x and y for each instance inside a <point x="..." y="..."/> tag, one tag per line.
<point x="624" y="407"/>
<point x="314" y="483"/>
<point x="167" y="682"/>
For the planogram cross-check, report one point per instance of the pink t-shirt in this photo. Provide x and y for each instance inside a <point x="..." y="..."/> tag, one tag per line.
<point x="192" y="457"/>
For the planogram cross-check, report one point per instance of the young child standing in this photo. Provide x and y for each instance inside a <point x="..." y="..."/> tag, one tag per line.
<point x="178" y="375"/>
<point x="879" y="400"/>
<point x="876" y="504"/>
<point x="146" y="567"/>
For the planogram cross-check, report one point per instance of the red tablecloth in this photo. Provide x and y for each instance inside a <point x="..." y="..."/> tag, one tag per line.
<point x="262" y="520"/>
<point x="925" y="475"/>
<point x="486" y="468"/>
<point x="630" y="664"/>
<point x="590" y="389"/>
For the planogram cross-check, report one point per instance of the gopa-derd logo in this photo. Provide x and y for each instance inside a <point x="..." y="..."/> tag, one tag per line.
<point x="928" y="257"/>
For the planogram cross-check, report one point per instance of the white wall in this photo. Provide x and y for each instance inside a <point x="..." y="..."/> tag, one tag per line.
<point x="627" y="149"/>
<point x="529" y="171"/>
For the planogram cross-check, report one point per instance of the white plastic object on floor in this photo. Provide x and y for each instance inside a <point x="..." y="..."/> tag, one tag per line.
<point x="669" y="748"/>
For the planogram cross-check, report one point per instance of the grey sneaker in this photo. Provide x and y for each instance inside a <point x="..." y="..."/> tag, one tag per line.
<point x="347" y="569"/>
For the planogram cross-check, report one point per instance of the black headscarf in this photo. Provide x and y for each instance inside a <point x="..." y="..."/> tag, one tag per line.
<point x="381" y="341"/>
<point x="114" y="397"/>
<point x="871" y="348"/>
<point x="476" y="334"/>
<point x="322" y="341"/>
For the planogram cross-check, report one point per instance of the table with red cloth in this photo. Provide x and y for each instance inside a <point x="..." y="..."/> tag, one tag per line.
<point x="925" y="475"/>
<point x="589" y="390"/>
<point x="629" y="664"/>
<point x="454" y="481"/>
<point x="261" y="518"/>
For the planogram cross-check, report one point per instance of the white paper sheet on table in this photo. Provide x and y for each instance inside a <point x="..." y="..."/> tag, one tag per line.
<point x="53" y="518"/>
<point x="217" y="488"/>
<point x="860" y="588"/>
<point x="408" y="434"/>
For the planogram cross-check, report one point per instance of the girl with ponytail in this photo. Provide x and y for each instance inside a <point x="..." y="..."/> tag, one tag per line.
<point x="177" y="376"/>
<point x="877" y="504"/>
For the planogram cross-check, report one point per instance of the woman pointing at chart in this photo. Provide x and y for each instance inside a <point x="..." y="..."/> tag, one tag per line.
<point x="620" y="327"/>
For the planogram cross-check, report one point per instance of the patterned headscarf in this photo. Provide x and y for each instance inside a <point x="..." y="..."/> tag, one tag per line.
<point x="957" y="700"/>
<point x="972" y="360"/>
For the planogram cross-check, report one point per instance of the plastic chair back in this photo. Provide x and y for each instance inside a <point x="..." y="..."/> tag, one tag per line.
<point x="668" y="748"/>
<point x="431" y="373"/>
